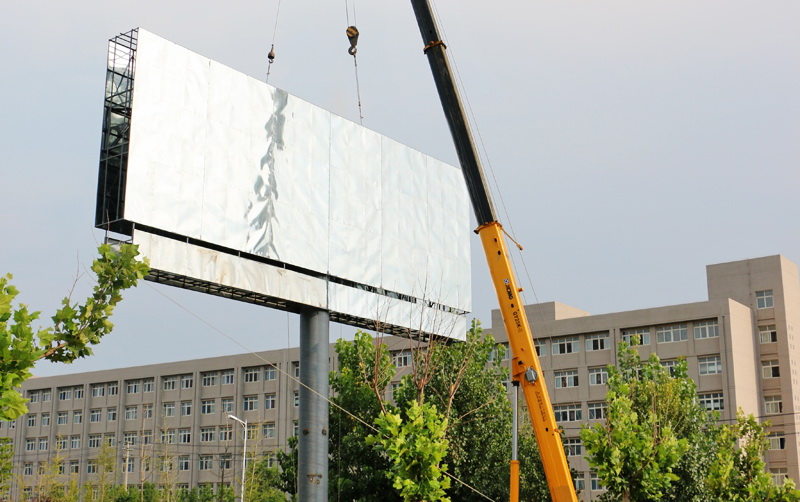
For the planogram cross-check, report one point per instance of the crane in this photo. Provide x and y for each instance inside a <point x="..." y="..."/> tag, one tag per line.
<point x="525" y="366"/>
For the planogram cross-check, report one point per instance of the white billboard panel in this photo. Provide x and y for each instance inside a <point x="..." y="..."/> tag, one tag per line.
<point x="231" y="164"/>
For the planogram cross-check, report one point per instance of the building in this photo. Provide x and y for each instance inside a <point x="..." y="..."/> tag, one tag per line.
<point x="740" y="347"/>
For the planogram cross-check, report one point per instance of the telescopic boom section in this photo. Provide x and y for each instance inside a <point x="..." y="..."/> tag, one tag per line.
<point x="525" y="367"/>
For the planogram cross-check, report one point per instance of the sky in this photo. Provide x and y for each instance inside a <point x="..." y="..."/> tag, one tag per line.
<point x="630" y="143"/>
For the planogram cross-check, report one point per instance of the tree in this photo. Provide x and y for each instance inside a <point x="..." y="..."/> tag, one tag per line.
<point x="416" y="447"/>
<point x="635" y="451"/>
<point x="356" y="470"/>
<point x="76" y="327"/>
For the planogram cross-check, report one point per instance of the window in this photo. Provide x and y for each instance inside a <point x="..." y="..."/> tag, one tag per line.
<point x="187" y="381"/>
<point x="597" y="411"/>
<point x="225" y="433"/>
<point x="711" y="365"/>
<point x="94" y="440"/>
<point x="95" y="416"/>
<point x="112" y="414"/>
<point x="184" y="436"/>
<point x="568" y="412"/>
<point x="706" y="329"/>
<point x="147" y="385"/>
<point x="252" y="431"/>
<point x="128" y="467"/>
<point x="770" y="369"/>
<point x="186" y="408"/>
<point x="207" y="406"/>
<point x="169" y="383"/>
<point x="61" y="443"/>
<point x="225" y="462"/>
<point x="30" y="444"/>
<point x="45" y="419"/>
<point x="62" y="418"/>
<point x="91" y="467"/>
<point x="566" y="345"/>
<point x="773" y="405"/>
<point x="227" y="377"/>
<point x="779" y="475"/>
<point x="32" y="420"/>
<point x="764" y="299"/>
<point x="595" y="484"/>
<point x="270" y="373"/>
<point x="113" y="389"/>
<point x="33" y="396"/>
<point x="46" y="396"/>
<point x="501" y="352"/>
<point x="168" y="436"/>
<point x="27" y="470"/>
<point x="133" y="387"/>
<point x="251" y="374"/>
<point x="147" y="437"/>
<point x="402" y="359"/>
<point x="712" y="401"/>
<point x="207" y="434"/>
<point x="671" y="333"/>
<point x="541" y="347"/>
<point x="183" y="463"/>
<point x="64" y="394"/>
<point x="75" y="442"/>
<point x="131" y="412"/>
<point x="74" y="466"/>
<point x="636" y="336"/>
<point x="130" y="438"/>
<point x="110" y="439"/>
<point x="206" y="462"/>
<point x="296" y="368"/>
<point x="169" y="409"/>
<point x="295" y="428"/>
<point x="670" y="366"/>
<point x="147" y="410"/>
<point x="77" y="417"/>
<point x="227" y="405"/>
<point x="78" y="392"/>
<point x="777" y="441"/>
<point x="567" y="378"/>
<point x="250" y="403"/>
<point x="599" y="341"/>
<point x="574" y="446"/>
<point x="43" y="444"/>
<point x="268" y="430"/>
<point x="98" y="390"/>
<point x="210" y="379"/>
<point x="598" y="376"/>
<point x="768" y="334"/>
<point x="296" y="398"/>
<point x="270" y="401"/>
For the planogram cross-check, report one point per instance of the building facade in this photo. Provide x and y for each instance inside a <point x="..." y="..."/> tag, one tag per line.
<point x="740" y="347"/>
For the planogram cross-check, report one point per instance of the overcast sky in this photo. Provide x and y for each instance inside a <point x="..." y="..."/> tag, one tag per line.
<point x="632" y="142"/>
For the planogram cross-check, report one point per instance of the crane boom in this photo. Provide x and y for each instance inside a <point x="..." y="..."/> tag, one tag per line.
<point x="525" y="367"/>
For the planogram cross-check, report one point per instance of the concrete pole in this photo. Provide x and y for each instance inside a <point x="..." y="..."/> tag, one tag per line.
<point x="312" y="469"/>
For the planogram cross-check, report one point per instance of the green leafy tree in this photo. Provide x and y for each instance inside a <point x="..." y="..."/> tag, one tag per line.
<point x="287" y="463"/>
<point x="6" y="466"/>
<point x="265" y="484"/>
<point x="416" y="447"/>
<point x="76" y="327"/>
<point x="357" y="471"/>
<point x="635" y="451"/>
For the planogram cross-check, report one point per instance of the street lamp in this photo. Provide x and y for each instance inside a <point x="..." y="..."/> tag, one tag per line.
<point x="243" y="423"/>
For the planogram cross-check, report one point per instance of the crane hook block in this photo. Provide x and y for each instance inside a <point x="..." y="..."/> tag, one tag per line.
<point x="271" y="55"/>
<point x="352" y="36"/>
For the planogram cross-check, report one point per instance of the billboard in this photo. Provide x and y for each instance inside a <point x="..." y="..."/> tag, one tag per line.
<point x="237" y="188"/>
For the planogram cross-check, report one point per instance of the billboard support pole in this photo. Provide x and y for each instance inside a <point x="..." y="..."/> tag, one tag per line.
<point x="312" y="468"/>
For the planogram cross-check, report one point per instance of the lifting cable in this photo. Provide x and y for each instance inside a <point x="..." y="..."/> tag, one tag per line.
<point x="352" y="37"/>
<point x="271" y="54"/>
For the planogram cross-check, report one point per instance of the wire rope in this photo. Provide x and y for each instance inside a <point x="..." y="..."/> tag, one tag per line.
<point x="271" y="54"/>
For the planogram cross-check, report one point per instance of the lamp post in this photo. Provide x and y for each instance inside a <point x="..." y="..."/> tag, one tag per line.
<point x="243" y="423"/>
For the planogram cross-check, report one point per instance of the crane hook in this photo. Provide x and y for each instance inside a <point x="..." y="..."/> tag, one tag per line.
<point x="352" y="36"/>
<point x="271" y="55"/>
